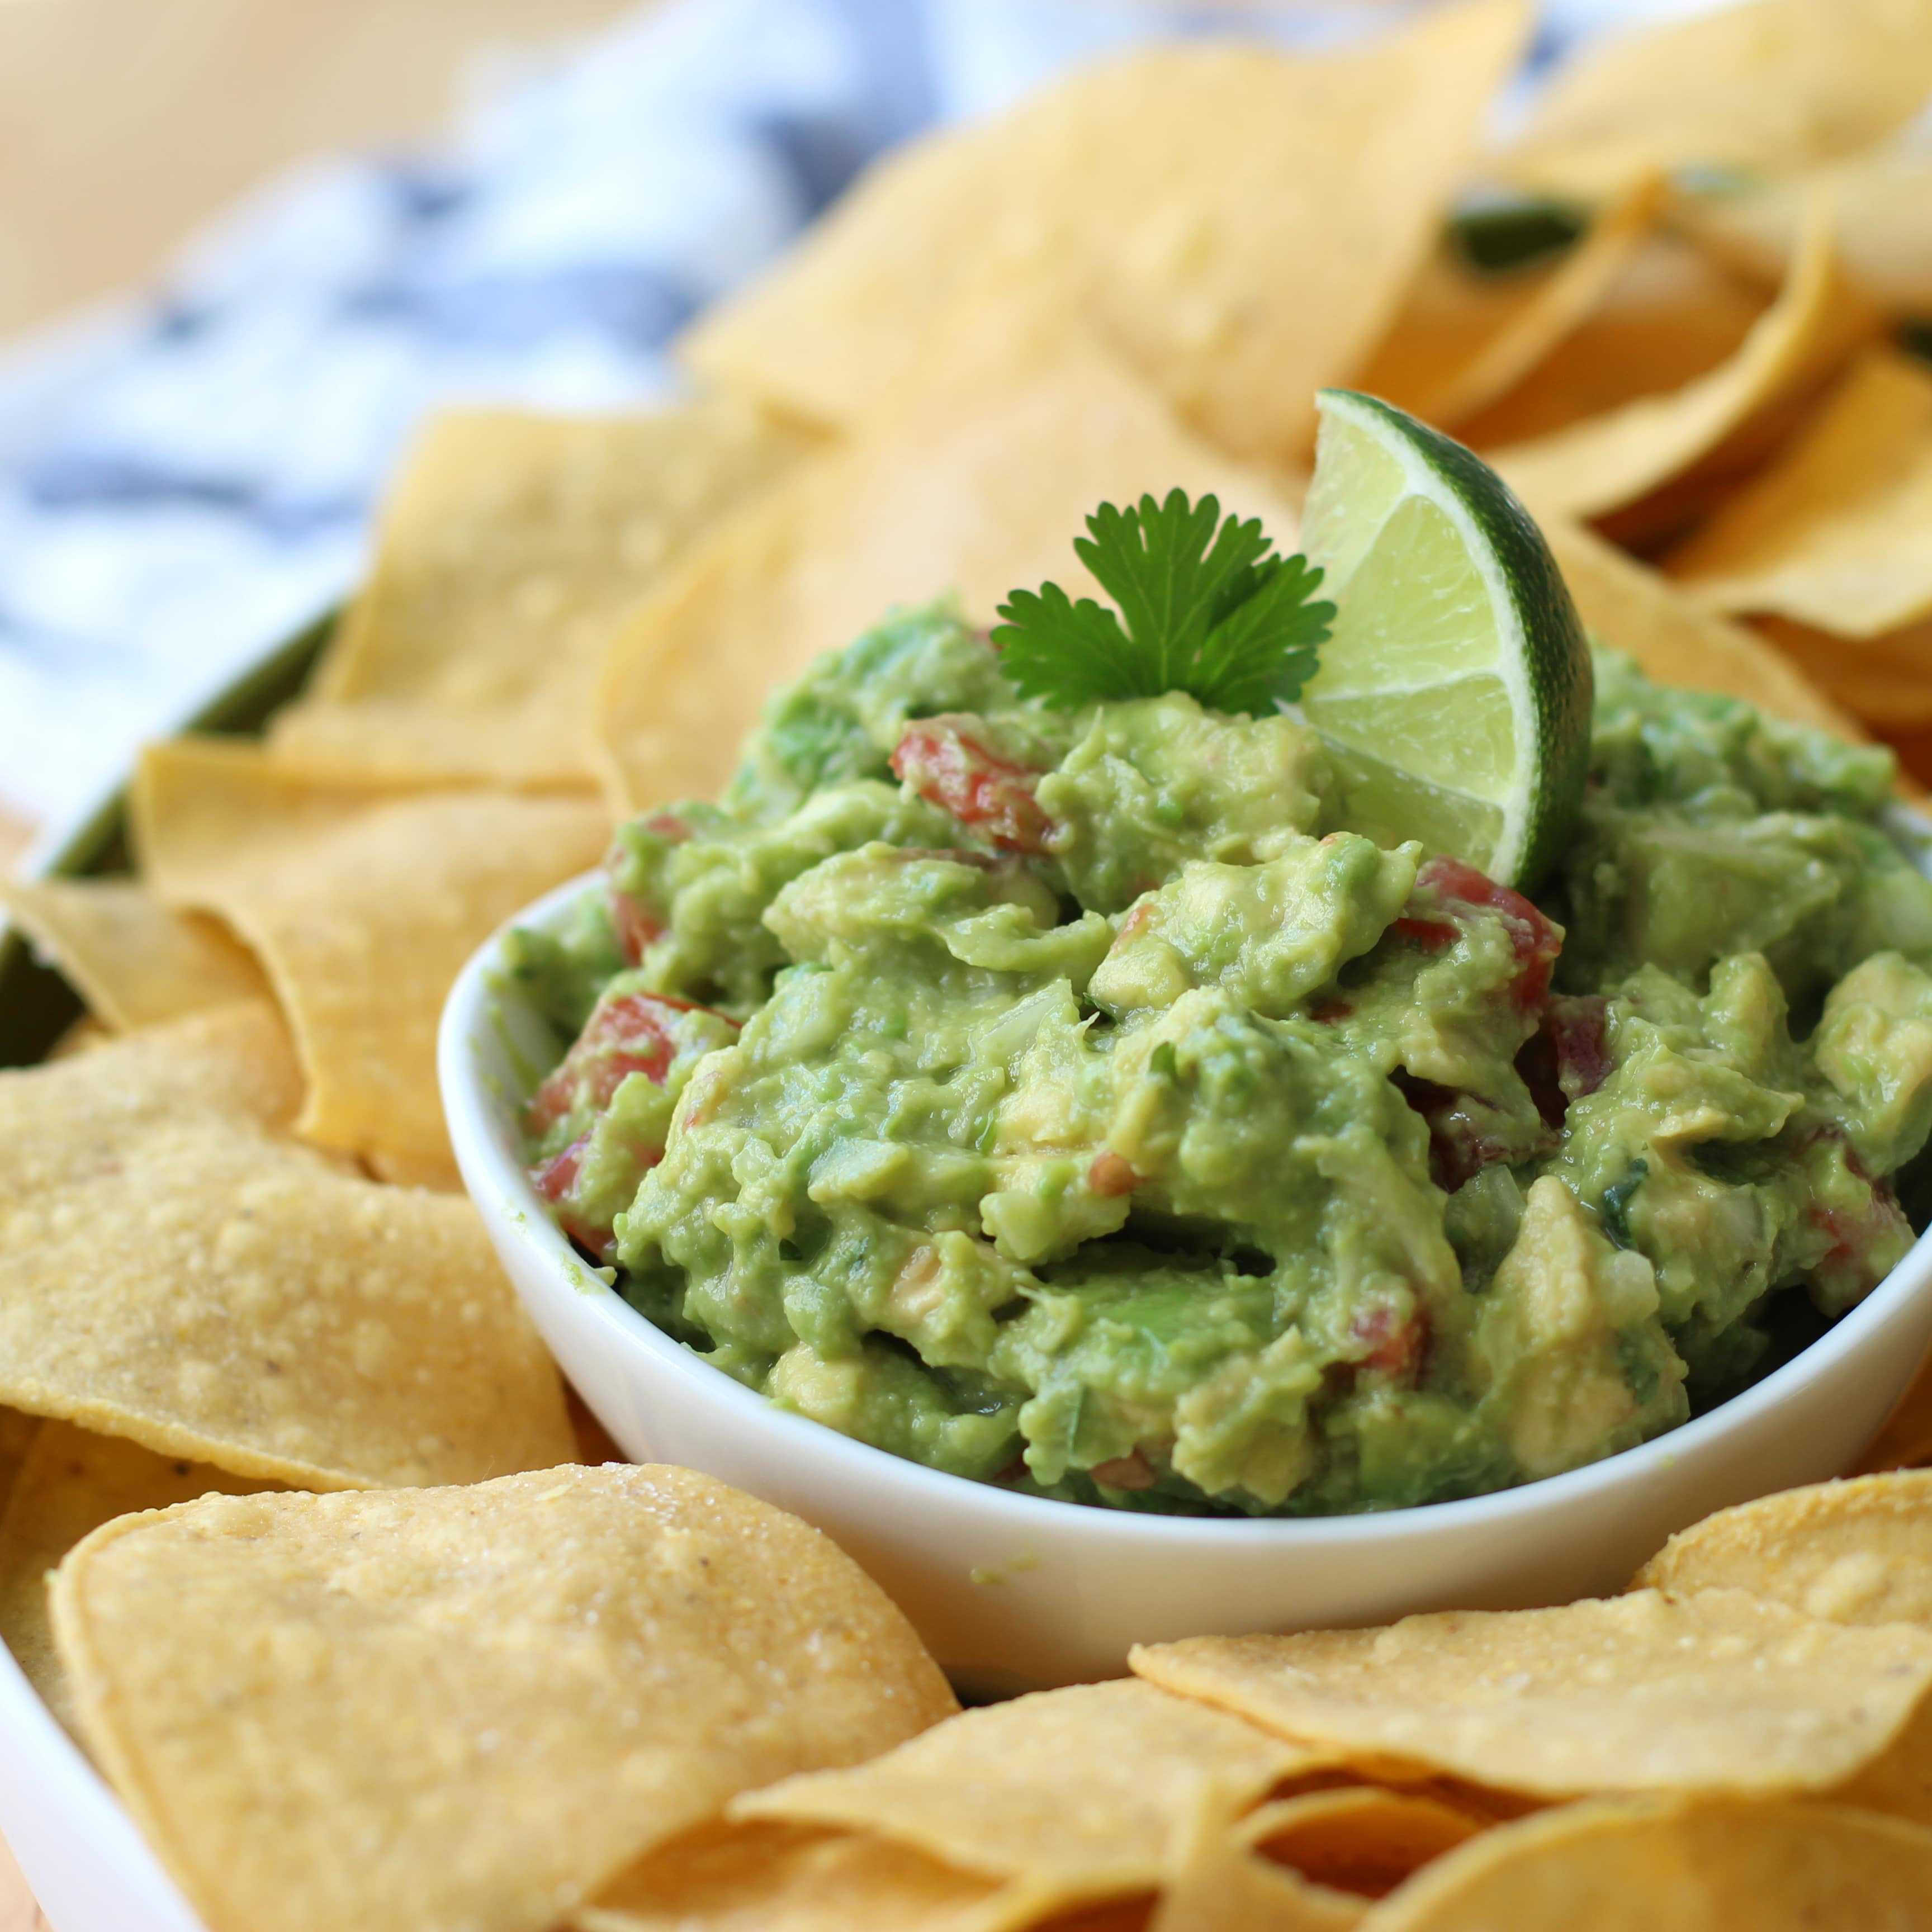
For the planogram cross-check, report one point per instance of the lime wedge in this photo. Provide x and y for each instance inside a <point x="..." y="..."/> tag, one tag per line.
<point x="1454" y="690"/>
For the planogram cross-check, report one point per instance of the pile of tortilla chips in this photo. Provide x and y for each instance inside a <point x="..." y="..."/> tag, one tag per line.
<point x="630" y="1699"/>
<point x="386" y="1658"/>
<point x="1744" y="1738"/>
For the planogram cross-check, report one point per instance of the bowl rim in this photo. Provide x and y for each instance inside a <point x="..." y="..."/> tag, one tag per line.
<point x="481" y="1131"/>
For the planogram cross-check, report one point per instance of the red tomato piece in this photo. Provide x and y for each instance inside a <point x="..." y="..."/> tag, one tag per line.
<point x="638" y="927"/>
<point x="1535" y="940"/>
<point x="627" y="1034"/>
<point x="1394" y="1345"/>
<point x="554" y="1179"/>
<point x="948" y="766"/>
<point x="1848" y="1266"/>
<point x="1568" y="1056"/>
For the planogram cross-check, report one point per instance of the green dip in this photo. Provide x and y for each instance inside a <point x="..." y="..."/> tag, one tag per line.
<point x="1084" y="1108"/>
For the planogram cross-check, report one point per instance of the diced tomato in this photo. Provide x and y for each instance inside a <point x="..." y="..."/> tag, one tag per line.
<point x="1393" y="1344"/>
<point x="1432" y="935"/>
<point x="554" y="1179"/>
<point x="638" y="928"/>
<point x="1535" y="940"/>
<point x="1130" y="1471"/>
<point x="948" y="766"/>
<point x="1458" y="1148"/>
<point x="1110" y="1176"/>
<point x="1568" y="1056"/>
<point x="1578" y="1028"/>
<point x="1328" y="1009"/>
<point x="627" y="1034"/>
<point x="1849" y="1268"/>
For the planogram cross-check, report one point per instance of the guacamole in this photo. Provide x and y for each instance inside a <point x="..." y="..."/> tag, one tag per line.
<point x="1076" y="1102"/>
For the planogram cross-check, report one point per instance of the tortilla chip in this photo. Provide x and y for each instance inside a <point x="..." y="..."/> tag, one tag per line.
<point x="1079" y="1793"/>
<point x="1836" y="533"/>
<point x="1713" y="426"/>
<point x="1717" y="1692"/>
<point x="363" y="905"/>
<point x="1672" y="316"/>
<point x="1905" y="1440"/>
<point x="1240" y="222"/>
<point x="1222" y="1886"/>
<point x="981" y="484"/>
<point x="1232" y="1890"/>
<point x="1858" y="1552"/>
<point x="1625" y="604"/>
<point x="512" y="546"/>
<point x="1711" y="1866"/>
<point x="466" y="1707"/>
<point x="179" y="1273"/>
<point x="1770" y="84"/>
<point x="786" y="1878"/>
<point x="1884" y="239"/>
<point x="86" y="1033"/>
<point x="1357" y="1838"/>
<point x="70" y="1483"/>
<point x="133" y="961"/>
<point x="17" y="1435"/>
<point x="1884" y="681"/>
<point x="438" y="1172"/>
<point x="1463" y="339"/>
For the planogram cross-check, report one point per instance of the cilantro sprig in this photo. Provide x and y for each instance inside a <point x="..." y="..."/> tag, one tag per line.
<point x="1206" y="609"/>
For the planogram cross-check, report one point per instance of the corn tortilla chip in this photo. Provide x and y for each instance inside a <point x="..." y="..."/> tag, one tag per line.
<point x="1623" y="603"/>
<point x="1672" y="315"/>
<point x="179" y="1273"/>
<point x="787" y="1878"/>
<point x="363" y="905"/>
<point x="1080" y="1792"/>
<point x="1718" y="1692"/>
<point x="1880" y="199"/>
<point x="86" y="1033"/>
<point x="1711" y="1866"/>
<point x="512" y="547"/>
<point x="1884" y="681"/>
<point x="1836" y="533"/>
<point x="466" y="1707"/>
<point x="1221" y="1885"/>
<point x="437" y="1171"/>
<point x="133" y="960"/>
<point x="1856" y="1552"/>
<point x="1905" y="1440"/>
<point x="1233" y="1891"/>
<point x="1770" y="84"/>
<point x="977" y="487"/>
<point x="17" y="1433"/>
<point x="1712" y="425"/>
<point x="1357" y="1838"/>
<point x="1462" y="340"/>
<point x="1240" y="222"/>
<point x="70" y="1483"/>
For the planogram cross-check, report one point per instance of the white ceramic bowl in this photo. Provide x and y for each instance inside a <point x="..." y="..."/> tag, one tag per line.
<point x="1017" y="1592"/>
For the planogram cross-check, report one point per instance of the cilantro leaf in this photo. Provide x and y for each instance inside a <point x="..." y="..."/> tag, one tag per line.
<point x="1204" y="606"/>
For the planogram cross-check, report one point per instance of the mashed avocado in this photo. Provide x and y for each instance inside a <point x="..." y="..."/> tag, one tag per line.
<point x="1075" y="1103"/>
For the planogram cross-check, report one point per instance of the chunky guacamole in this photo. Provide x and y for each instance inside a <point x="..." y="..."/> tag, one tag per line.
<point x="1076" y="1102"/>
